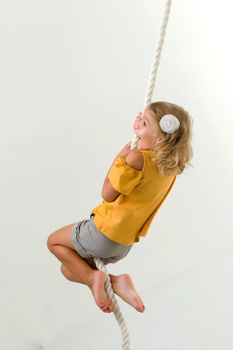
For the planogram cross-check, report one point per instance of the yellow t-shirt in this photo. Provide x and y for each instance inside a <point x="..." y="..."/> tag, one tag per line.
<point x="142" y="192"/>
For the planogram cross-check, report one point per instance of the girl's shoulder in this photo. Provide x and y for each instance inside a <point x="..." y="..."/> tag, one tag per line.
<point x="135" y="159"/>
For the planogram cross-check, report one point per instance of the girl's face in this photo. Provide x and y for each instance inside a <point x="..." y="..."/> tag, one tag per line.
<point x="147" y="130"/>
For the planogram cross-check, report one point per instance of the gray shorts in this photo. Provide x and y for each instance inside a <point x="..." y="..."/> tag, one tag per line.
<point x="89" y="242"/>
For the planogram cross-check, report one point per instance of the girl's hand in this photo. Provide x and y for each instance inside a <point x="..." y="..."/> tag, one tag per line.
<point x="137" y="120"/>
<point x="125" y="150"/>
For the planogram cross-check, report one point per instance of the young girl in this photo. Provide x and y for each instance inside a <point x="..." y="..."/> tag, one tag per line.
<point x="135" y="187"/>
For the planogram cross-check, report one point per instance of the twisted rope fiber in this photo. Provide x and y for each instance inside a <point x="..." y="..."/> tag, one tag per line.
<point x="155" y="64"/>
<point x="117" y="313"/>
<point x="157" y="56"/>
<point x="148" y="97"/>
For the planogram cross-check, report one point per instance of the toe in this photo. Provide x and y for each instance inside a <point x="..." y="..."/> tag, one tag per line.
<point x="104" y="308"/>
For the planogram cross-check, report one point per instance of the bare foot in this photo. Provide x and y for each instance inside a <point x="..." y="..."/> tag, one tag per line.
<point x="98" y="291"/>
<point x="124" y="288"/>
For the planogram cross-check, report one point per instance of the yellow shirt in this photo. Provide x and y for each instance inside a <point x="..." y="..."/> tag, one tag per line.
<point x="142" y="192"/>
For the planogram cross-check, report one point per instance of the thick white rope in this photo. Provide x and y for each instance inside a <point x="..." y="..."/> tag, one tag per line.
<point x="155" y="65"/>
<point x="148" y="97"/>
<point x="117" y="313"/>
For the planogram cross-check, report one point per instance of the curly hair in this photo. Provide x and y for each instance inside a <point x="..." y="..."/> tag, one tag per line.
<point x="173" y="152"/>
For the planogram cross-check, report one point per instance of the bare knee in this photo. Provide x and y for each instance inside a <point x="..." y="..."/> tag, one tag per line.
<point x="53" y="240"/>
<point x="60" y="237"/>
<point x="50" y="242"/>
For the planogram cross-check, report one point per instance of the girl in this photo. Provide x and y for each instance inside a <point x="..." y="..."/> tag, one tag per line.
<point x="135" y="187"/>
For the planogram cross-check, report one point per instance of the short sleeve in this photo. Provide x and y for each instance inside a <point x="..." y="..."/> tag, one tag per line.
<point x="123" y="177"/>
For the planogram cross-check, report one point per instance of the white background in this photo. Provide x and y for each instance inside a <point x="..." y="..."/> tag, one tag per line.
<point x="73" y="76"/>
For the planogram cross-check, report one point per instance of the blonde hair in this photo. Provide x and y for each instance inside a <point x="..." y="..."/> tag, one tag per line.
<point x="173" y="152"/>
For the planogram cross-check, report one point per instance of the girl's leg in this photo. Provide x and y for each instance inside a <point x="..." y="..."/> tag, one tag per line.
<point x="76" y="269"/>
<point x="124" y="288"/>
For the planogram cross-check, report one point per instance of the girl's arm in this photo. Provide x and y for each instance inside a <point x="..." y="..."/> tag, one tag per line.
<point x="134" y="159"/>
<point x="109" y="193"/>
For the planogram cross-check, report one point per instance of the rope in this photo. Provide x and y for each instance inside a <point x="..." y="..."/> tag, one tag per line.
<point x="148" y="97"/>
<point x="155" y="65"/>
<point x="117" y="313"/>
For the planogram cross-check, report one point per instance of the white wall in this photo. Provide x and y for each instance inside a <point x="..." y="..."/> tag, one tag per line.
<point x="73" y="76"/>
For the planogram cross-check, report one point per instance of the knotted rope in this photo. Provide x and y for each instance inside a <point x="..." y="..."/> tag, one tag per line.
<point x="148" y="97"/>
